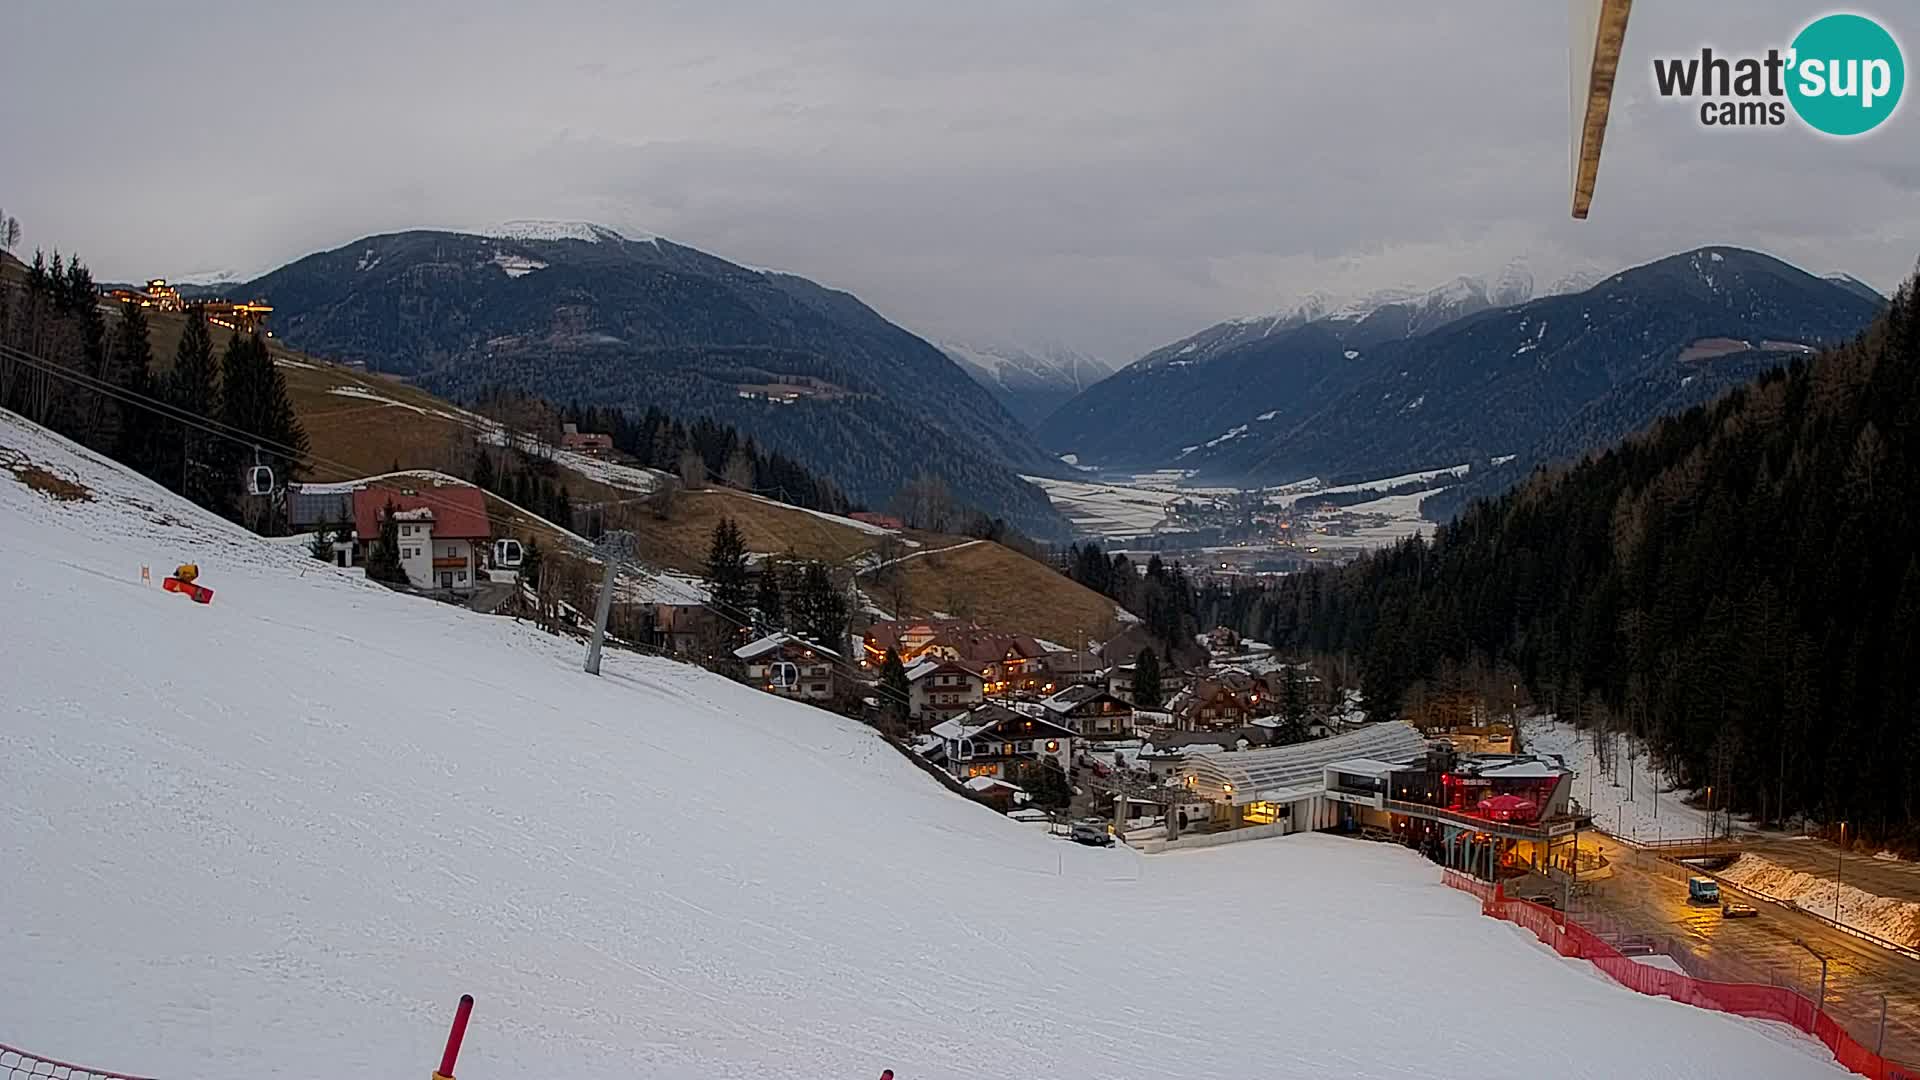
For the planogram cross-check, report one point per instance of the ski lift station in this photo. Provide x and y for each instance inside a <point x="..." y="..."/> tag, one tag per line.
<point x="1385" y="778"/>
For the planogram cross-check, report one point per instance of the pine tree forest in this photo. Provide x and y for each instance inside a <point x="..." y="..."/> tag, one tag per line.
<point x="1739" y="585"/>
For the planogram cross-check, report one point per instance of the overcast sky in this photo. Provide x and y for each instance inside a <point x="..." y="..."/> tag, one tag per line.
<point x="1104" y="175"/>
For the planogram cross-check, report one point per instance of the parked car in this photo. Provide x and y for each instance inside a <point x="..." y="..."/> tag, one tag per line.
<point x="1092" y="831"/>
<point x="1701" y="890"/>
<point x="1547" y="900"/>
<point x="1734" y="909"/>
<point x="1376" y="834"/>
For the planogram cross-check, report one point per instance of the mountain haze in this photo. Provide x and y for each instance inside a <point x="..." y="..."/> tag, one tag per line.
<point x="1030" y="382"/>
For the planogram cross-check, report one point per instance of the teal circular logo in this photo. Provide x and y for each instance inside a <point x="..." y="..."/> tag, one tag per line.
<point x="1846" y="74"/>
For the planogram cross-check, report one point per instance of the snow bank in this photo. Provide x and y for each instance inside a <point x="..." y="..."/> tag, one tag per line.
<point x="278" y="835"/>
<point x="1897" y="921"/>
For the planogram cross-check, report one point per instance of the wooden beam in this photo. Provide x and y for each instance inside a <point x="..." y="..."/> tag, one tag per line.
<point x="1595" y="62"/>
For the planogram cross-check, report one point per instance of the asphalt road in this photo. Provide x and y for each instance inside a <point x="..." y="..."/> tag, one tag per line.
<point x="1649" y="895"/>
<point x="1898" y="880"/>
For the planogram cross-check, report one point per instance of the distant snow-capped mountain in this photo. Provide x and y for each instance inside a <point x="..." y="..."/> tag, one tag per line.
<point x="1030" y="381"/>
<point x="1450" y="375"/>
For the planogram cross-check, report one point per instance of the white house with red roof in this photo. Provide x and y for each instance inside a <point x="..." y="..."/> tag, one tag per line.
<point x="440" y="531"/>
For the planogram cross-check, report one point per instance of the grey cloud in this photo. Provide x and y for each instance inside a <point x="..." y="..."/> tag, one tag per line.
<point x="1108" y="175"/>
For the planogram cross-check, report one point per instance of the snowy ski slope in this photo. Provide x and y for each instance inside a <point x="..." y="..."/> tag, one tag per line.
<point x="277" y="836"/>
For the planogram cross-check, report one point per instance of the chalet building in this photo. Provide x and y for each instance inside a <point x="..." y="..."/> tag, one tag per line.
<point x="942" y="689"/>
<point x="440" y="532"/>
<point x="1120" y="681"/>
<point x="1010" y="663"/>
<point x="685" y="629"/>
<point x="1091" y="712"/>
<point x="1217" y="701"/>
<point x="996" y="741"/>
<point x="585" y="442"/>
<point x="311" y="508"/>
<point x="1076" y="667"/>
<point x="790" y="667"/>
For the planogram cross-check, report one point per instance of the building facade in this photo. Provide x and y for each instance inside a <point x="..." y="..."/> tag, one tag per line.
<point x="942" y="689"/>
<point x="791" y="667"/>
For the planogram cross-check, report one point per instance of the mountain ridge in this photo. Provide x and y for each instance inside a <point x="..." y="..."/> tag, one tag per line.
<point x="1379" y="393"/>
<point x="585" y="313"/>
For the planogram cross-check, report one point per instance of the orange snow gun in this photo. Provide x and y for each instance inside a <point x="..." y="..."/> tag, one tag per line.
<point x="184" y="581"/>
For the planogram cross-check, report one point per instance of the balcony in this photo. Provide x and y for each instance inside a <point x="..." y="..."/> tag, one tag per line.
<point x="1512" y="830"/>
<point x="444" y="563"/>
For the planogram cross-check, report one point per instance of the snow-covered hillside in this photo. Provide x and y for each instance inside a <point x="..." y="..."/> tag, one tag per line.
<point x="278" y="835"/>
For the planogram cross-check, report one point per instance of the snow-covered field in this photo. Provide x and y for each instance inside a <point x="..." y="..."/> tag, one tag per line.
<point x="1626" y="809"/>
<point x="278" y="835"/>
<point x="1895" y="920"/>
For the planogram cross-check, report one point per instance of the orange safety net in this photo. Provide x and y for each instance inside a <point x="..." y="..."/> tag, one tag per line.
<point x="1569" y="938"/>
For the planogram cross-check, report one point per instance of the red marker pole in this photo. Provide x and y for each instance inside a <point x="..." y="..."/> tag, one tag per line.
<point x="458" y="1033"/>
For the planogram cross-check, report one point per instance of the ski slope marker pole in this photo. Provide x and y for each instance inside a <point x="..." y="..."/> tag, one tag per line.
<point x="458" y="1033"/>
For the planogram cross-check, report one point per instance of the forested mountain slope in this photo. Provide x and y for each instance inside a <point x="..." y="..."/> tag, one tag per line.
<point x="1740" y="584"/>
<point x="589" y="316"/>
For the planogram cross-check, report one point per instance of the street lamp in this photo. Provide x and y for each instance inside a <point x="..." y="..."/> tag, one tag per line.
<point x="1839" y="866"/>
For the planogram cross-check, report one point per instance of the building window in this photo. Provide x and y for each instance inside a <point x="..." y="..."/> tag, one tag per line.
<point x="981" y="770"/>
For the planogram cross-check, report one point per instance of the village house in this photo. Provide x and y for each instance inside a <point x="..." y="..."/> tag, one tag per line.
<point x="885" y="521"/>
<point x="1120" y="681"/>
<point x="1009" y="663"/>
<point x="1070" y="667"/>
<point x="436" y="530"/>
<point x="686" y="628"/>
<point x="1090" y="711"/>
<point x="311" y="508"/>
<point x="791" y="667"/>
<point x="572" y="438"/>
<point x="941" y="689"/>
<point x="993" y="740"/>
<point x="1217" y="700"/>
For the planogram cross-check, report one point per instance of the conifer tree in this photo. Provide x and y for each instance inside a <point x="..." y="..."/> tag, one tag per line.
<point x="383" y="562"/>
<point x="768" y="602"/>
<point x="727" y="571"/>
<point x="894" y="690"/>
<point x="204" y="470"/>
<point x="140" y="442"/>
<point x="1146" y="680"/>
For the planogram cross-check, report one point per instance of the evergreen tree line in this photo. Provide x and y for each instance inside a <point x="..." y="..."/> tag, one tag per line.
<point x="527" y="480"/>
<point x="659" y="441"/>
<point x="55" y="314"/>
<point x="799" y="596"/>
<point x="1163" y="596"/>
<point x="1739" y="585"/>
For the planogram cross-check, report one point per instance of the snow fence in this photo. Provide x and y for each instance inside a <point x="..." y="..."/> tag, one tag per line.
<point x="1569" y="938"/>
<point x="20" y="1065"/>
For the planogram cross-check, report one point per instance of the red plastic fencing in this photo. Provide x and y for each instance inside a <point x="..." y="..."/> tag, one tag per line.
<point x="1569" y="938"/>
<point x="20" y="1065"/>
